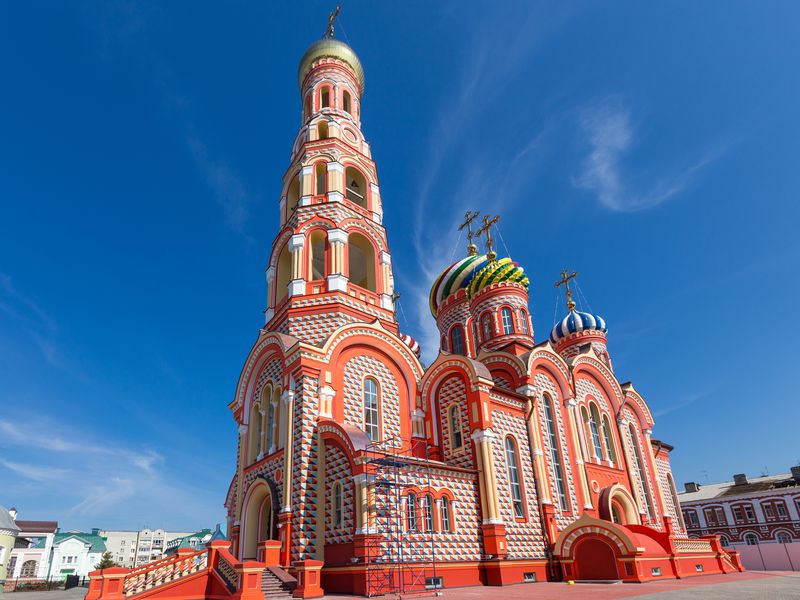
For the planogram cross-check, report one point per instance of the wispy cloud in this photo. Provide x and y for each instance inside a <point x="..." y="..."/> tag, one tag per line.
<point x="683" y="402"/>
<point x="35" y="472"/>
<point x="610" y="135"/>
<point x="497" y="53"/>
<point x="228" y="187"/>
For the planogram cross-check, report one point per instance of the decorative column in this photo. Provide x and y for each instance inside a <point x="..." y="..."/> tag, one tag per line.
<point x="337" y="280"/>
<point x="626" y="450"/>
<point x="270" y="310"/>
<point x="571" y="405"/>
<point x="377" y="205"/>
<point x="386" y="279"/>
<point x="326" y="394"/>
<point x="661" y="502"/>
<point x="321" y="494"/>
<point x="335" y="182"/>
<point x="306" y="185"/>
<point x="285" y="516"/>
<point x="297" y="286"/>
<point x="494" y="530"/>
<point x="366" y="539"/>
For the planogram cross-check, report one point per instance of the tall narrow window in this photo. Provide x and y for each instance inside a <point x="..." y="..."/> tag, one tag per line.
<point x="555" y="453"/>
<point x="337" y="505"/>
<point x="322" y="130"/>
<point x="455" y="427"/>
<point x="292" y="195"/>
<point x="346" y="101"/>
<point x="445" y="517"/>
<point x="523" y="317"/>
<point x="307" y="107"/>
<point x="270" y="425"/>
<point x="594" y="428"/>
<point x="316" y="257"/>
<point x="412" y="512"/>
<point x="512" y="463"/>
<point x="508" y="321"/>
<point x="637" y="455"/>
<point x="361" y="262"/>
<point x="321" y="171"/>
<point x="371" y="409"/>
<point x="427" y="510"/>
<point x="751" y="539"/>
<point x="486" y="326"/>
<point x="457" y="340"/>
<point x="325" y="98"/>
<point x="612" y="452"/>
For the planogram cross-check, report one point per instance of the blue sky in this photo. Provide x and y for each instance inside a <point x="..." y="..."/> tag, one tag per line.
<point x="652" y="147"/>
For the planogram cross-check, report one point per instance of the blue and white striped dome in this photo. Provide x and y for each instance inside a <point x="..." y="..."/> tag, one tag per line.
<point x="577" y="321"/>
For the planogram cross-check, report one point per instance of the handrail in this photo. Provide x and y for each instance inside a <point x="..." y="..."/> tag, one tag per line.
<point x="227" y="572"/>
<point x="162" y="572"/>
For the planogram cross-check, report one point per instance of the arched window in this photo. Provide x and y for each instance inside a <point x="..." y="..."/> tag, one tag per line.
<point x="445" y="514"/>
<point x="616" y="514"/>
<point x="555" y="453"/>
<point x="28" y="569"/>
<point x="637" y="455"/>
<point x="255" y="430"/>
<point x="594" y="428"/>
<point x="321" y="171"/>
<point x="457" y="340"/>
<point x="325" y="97"/>
<point x="338" y="502"/>
<point x="270" y="422"/>
<point x="783" y="538"/>
<point x="612" y="452"/>
<point x="454" y="417"/>
<point x="292" y="195"/>
<point x="346" y="101"/>
<point x="751" y="539"/>
<point x="512" y="463"/>
<point x="724" y="541"/>
<point x="507" y="320"/>
<point x="316" y="258"/>
<point x="356" y="186"/>
<point x="322" y="130"/>
<point x="673" y="493"/>
<point x="12" y="563"/>
<point x="486" y="326"/>
<point x="412" y="512"/>
<point x="523" y="317"/>
<point x="371" y="416"/>
<point x="284" y="274"/>
<point x="307" y="107"/>
<point x="361" y="261"/>
<point x="427" y="511"/>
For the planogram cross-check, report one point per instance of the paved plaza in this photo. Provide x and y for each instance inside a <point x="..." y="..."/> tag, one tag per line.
<point x="746" y="586"/>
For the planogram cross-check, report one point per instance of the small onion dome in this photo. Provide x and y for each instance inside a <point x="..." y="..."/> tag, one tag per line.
<point x="330" y="48"/>
<point x="575" y="322"/>
<point x="498" y="271"/>
<point x="411" y="343"/>
<point x="455" y="277"/>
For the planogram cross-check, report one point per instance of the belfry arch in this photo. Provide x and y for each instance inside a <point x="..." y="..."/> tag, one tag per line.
<point x="361" y="262"/>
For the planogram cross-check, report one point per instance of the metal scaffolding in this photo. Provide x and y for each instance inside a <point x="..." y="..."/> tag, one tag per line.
<point x="394" y="565"/>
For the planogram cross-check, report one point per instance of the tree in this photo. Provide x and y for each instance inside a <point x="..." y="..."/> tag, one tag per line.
<point x="106" y="561"/>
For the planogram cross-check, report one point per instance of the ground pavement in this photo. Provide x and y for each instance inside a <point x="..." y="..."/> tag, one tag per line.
<point x="745" y="586"/>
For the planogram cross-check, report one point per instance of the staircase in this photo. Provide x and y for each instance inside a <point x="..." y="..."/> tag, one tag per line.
<point x="277" y="584"/>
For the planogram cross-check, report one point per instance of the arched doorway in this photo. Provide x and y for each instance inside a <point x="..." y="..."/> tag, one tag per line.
<point x="259" y="520"/>
<point x="595" y="560"/>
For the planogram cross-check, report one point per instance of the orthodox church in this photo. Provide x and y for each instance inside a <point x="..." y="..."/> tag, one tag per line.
<point x="511" y="458"/>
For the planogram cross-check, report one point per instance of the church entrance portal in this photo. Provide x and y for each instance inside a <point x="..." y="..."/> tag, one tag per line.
<point x="595" y="560"/>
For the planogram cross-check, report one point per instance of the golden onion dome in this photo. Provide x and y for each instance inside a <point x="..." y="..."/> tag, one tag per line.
<point x="330" y="48"/>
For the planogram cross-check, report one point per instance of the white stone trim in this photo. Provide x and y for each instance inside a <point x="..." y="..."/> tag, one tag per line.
<point x="296" y="242"/>
<point x="297" y="287"/>
<point x="386" y="258"/>
<point x="337" y="283"/>
<point x="337" y="236"/>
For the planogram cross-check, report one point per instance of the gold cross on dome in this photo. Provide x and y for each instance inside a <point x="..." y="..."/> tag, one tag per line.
<point x="469" y="217"/>
<point x="565" y="278"/>
<point x="331" y="18"/>
<point x="487" y="229"/>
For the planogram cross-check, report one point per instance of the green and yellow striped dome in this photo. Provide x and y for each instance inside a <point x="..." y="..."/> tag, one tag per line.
<point x="503" y="270"/>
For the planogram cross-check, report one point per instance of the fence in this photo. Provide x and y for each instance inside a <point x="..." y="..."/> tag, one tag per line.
<point x="29" y="584"/>
<point x="770" y="556"/>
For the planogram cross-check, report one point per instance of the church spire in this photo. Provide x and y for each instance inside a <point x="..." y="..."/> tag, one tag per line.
<point x="566" y="276"/>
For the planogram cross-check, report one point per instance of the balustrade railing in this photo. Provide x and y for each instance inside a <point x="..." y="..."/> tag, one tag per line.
<point x="164" y="571"/>
<point x="687" y="545"/>
<point x="226" y="571"/>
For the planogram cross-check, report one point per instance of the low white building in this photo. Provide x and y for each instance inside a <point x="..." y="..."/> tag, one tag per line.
<point x="76" y="553"/>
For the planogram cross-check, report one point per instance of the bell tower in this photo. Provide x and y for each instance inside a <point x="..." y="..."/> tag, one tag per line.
<point x="330" y="263"/>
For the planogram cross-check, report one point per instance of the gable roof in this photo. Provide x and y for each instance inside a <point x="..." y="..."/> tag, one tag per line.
<point x="96" y="542"/>
<point x="6" y="522"/>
